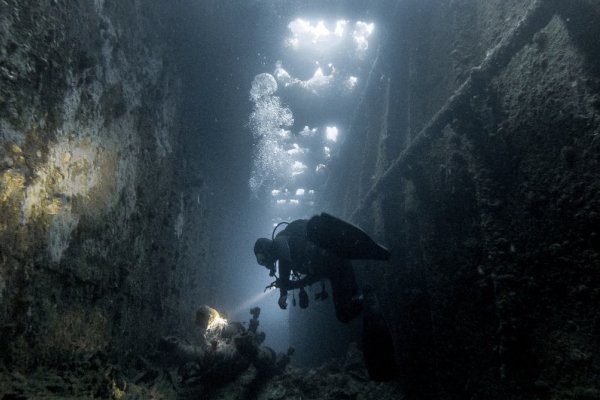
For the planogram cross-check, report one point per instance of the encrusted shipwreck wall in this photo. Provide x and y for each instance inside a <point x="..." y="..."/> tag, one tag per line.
<point x="475" y="157"/>
<point x="98" y="208"/>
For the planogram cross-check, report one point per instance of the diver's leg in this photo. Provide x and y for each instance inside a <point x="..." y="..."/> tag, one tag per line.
<point x="345" y="291"/>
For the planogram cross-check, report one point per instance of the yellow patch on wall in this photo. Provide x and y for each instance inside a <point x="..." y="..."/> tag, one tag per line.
<point x="11" y="183"/>
<point x="53" y="206"/>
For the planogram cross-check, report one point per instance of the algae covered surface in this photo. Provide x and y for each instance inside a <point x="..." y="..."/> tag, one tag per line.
<point x="92" y="184"/>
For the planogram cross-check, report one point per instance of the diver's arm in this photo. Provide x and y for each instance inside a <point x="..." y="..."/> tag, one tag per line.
<point x="284" y="281"/>
<point x="282" y="252"/>
<point x="281" y="248"/>
<point x="284" y="277"/>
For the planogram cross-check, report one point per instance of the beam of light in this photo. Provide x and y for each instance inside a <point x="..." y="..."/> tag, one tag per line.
<point x="331" y="132"/>
<point x="308" y="132"/>
<point x="284" y="77"/>
<point x="362" y="31"/>
<point x="319" y="31"/>
<point x="364" y="28"/>
<point x="316" y="36"/>
<point x="318" y="81"/>
<point x="314" y="33"/>
<point x="251" y="302"/>
<point x="298" y="168"/>
<point x="340" y="28"/>
<point x="296" y="150"/>
<point x="351" y="82"/>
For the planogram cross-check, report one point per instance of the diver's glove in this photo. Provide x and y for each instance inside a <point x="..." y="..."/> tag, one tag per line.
<point x="272" y="285"/>
<point x="282" y="301"/>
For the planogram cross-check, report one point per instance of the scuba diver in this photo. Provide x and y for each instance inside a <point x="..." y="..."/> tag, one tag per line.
<point x="308" y="251"/>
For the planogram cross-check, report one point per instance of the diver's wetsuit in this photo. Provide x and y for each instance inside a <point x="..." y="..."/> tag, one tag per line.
<point x="297" y="254"/>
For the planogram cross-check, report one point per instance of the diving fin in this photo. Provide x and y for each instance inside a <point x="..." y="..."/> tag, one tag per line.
<point x="344" y="239"/>
<point x="378" y="345"/>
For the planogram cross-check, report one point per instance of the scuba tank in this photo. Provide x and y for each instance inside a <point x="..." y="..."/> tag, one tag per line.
<point x="344" y="239"/>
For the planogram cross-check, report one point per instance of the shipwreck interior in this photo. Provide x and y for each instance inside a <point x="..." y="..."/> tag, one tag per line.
<point x="146" y="145"/>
